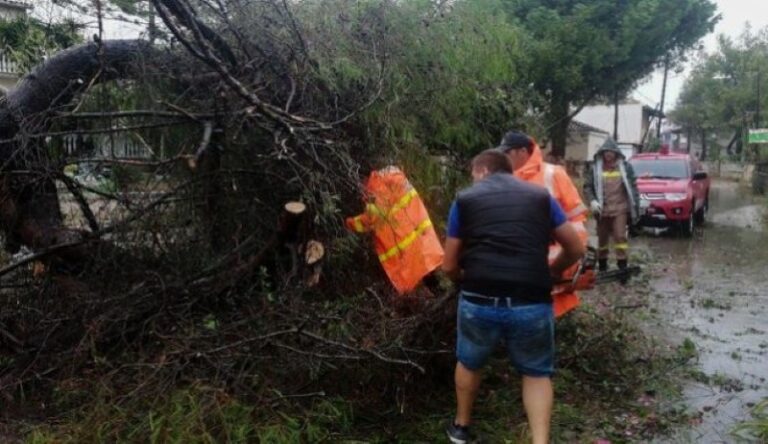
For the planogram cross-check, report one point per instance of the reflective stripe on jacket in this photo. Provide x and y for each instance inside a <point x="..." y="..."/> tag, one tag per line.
<point x="556" y="180"/>
<point x="405" y="240"/>
<point x="624" y="170"/>
<point x="593" y="179"/>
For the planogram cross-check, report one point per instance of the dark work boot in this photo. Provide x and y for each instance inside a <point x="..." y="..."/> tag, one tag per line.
<point x="622" y="263"/>
<point x="458" y="434"/>
<point x="602" y="265"/>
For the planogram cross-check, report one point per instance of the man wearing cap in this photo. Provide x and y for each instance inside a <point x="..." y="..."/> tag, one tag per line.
<point x="527" y="160"/>
<point x="497" y="242"/>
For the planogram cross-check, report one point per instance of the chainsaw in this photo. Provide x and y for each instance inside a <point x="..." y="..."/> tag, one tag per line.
<point x="586" y="278"/>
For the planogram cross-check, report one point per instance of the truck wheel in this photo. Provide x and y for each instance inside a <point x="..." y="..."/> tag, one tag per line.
<point x="688" y="225"/>
<point x="701" y="215"/>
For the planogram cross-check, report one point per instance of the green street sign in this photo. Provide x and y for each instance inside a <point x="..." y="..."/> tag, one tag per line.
<point x="758" y="136"/>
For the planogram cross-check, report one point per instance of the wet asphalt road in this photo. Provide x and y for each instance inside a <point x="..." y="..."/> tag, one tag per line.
<point x="713" y="289"/>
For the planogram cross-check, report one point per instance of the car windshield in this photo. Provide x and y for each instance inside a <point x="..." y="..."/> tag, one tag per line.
<point x="660" y="169"/>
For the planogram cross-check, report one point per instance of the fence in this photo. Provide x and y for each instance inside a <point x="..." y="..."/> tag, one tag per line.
<point x="7" y="65"/>
<point x="115" y="146"/>
<point x="736" y="171"/>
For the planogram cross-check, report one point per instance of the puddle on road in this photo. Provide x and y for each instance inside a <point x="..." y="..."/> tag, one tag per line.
<point x="714" y="290"/>
<point x="732" y="207"/>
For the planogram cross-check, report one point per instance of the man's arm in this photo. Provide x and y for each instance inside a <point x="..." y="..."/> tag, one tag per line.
<point x="589" y="183"/>
<point x="632" y="178"/>
<point x="451" y="258"/>
<point x="569" y="197"/>
<point x="572" y="249"/>
<point x="452" y="244"/>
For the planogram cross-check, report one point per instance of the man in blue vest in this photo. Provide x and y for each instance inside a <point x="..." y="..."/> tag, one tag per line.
<point x="499" y="231"/>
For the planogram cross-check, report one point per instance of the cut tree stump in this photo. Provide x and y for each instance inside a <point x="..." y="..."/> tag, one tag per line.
<point x="314" y="252"/>
<point x="290" y="220"/>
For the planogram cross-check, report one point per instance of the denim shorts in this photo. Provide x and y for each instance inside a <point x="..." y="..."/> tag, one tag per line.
<point x="527" y="331"/>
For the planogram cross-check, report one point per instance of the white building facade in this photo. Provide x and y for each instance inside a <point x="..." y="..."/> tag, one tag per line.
<point x="9" y="74"/>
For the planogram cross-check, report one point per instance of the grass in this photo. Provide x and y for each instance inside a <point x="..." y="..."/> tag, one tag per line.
<point x="614" y="383"/>
<point x="755" y="430"/>
<point x="197" y="415"/>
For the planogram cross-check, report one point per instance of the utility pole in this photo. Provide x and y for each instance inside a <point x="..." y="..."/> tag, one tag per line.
<point x="758" y="123"/>
<point x="616" y="116"/>
<point x="152" y="26"/>
<point x="663" y="95"/>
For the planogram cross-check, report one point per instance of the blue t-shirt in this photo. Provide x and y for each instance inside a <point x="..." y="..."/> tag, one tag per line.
<point x="557" y="217"/>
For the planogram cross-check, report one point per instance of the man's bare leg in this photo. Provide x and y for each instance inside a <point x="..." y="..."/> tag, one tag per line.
<point x="538" y="399"/>
<point x="467" y="386"/>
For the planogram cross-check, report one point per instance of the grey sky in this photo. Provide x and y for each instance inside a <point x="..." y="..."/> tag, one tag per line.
<point x="735" y="14"/>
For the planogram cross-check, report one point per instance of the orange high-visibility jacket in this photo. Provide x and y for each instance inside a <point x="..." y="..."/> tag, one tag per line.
<point x="404" y="237"/>
<point x="560" y="186"/>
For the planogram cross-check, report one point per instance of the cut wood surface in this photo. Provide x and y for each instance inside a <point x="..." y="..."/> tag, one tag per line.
<point x="295" y="207"/>
<point x="314" y="252"/>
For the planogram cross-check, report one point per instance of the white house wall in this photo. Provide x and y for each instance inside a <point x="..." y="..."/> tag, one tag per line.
<point x="602" y="117"/>
<point x="13" y="9"/>
<point x="577" y="146"/>
<point x="596" y="140"/>
<point x="10" y="14"/>
<point x="7" y="83"/>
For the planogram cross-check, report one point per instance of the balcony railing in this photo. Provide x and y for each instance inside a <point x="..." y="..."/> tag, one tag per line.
<point x="7" y="65"/>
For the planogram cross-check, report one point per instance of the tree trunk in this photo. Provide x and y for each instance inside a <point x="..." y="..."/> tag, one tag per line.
<point x="616" y="116"/>
<point x="732" y="144"/>
<point x="29" y="210"/>
<point x="214" y="193"/>
<point x="558" y="133"/>
<point x="703" y="145"/>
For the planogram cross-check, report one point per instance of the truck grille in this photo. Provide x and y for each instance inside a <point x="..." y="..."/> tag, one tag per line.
<point x="652" y="196"/>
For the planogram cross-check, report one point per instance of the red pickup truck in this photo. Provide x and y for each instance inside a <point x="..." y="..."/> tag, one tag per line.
<point x="674" y="190"/>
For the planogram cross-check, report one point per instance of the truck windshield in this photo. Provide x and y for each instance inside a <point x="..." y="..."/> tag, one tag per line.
<point x="660" y="169"/>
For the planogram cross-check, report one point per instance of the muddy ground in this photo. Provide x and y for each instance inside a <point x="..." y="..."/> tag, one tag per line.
<point x="713" y="291"/>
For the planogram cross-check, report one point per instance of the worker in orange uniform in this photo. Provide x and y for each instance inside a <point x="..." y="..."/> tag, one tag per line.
<point x="528" y="163"/>
<point x="405" y="240"/>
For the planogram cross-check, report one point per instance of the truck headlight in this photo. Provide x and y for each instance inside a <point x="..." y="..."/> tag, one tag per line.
<point x="675" y="197"/>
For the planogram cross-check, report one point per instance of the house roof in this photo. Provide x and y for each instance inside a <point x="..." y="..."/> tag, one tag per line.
<point x="654" y="112"/>
<point x="581" y="126"/>
<point x="15" y="4"/>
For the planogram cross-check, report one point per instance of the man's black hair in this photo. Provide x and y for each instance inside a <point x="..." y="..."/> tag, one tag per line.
<point x="494" y="160"/>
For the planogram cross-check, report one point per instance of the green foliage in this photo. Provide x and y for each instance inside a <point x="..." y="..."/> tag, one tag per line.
<point x="187" y="416"/>
<point x="755" y="430"/>
<point x="199" y="415"/>
<point x="29" y="40"/>
<point x="720" y="95"/>
<point x="587" y="50"/>
<point x="688" y="349"/>
<point x="131" y="7"/>
<point x="452" y="79"/>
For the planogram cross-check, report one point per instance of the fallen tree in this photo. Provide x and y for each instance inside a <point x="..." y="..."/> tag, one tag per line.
<point x="218" y="258"/>
<point x="174" y="261"/>
<point x="29" y="207"/>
